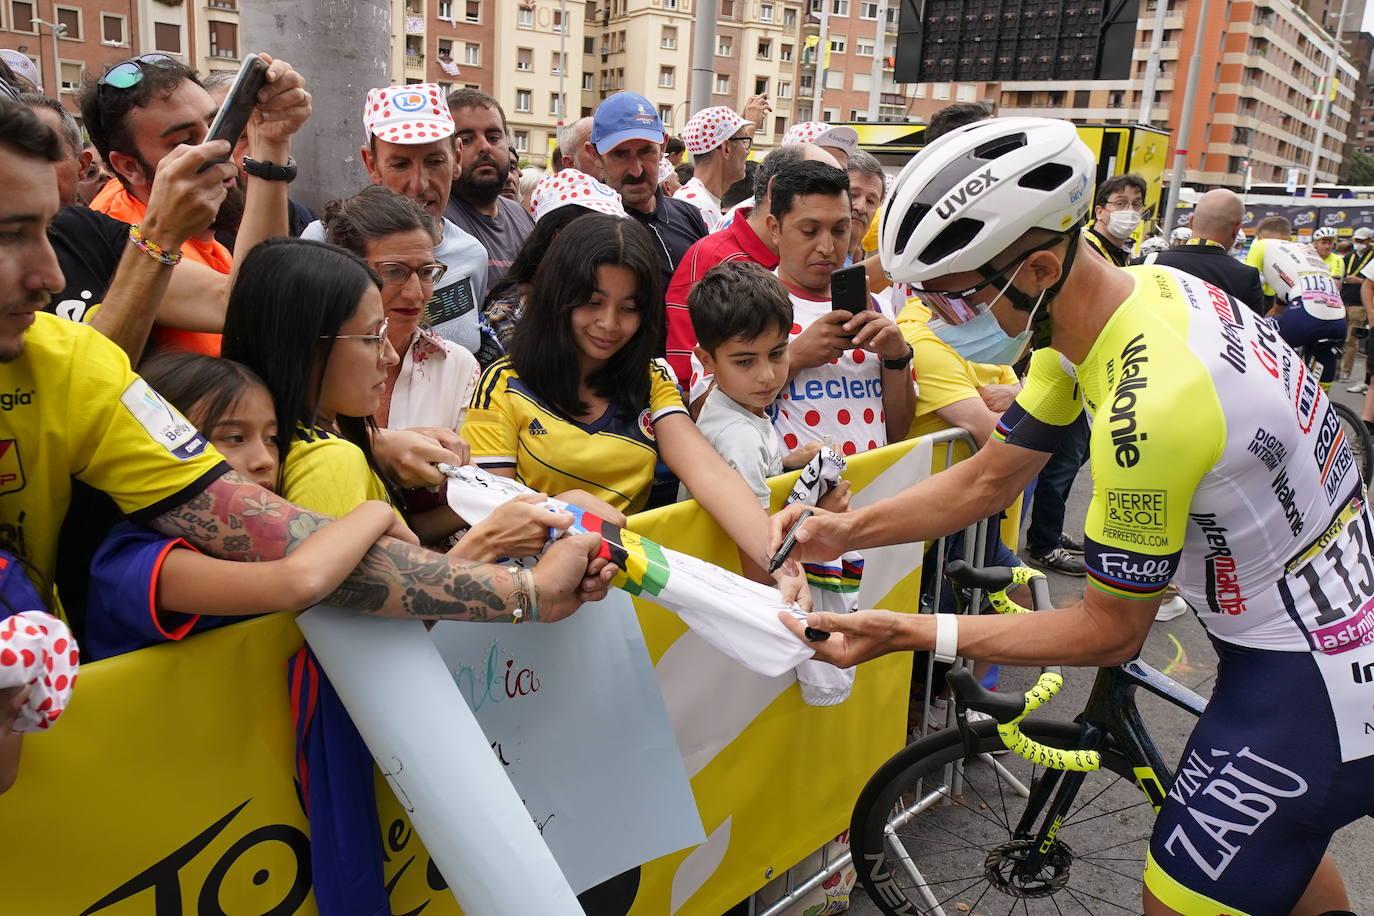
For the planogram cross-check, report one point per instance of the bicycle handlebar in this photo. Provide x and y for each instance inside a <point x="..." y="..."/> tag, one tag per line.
<point x="1008" y="711"/>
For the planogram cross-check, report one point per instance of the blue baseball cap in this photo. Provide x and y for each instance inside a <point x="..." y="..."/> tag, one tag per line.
<point x="625" y="116"/>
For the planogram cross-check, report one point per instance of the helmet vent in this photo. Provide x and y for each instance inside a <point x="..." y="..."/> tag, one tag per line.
<point x="1046" y="177"/>
<point x="954" y="237"/>
<point x="908" y="226"/>
<point x="1000" y="146"/>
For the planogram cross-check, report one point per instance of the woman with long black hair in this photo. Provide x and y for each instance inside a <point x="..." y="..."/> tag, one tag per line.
<point x="581" y="402"/>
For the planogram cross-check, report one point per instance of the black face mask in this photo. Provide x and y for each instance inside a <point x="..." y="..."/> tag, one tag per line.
<point x="1040" y="324"/>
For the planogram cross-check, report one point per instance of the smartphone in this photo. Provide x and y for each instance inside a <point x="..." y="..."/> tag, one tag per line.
<point x="849" y="290"/>
<point x="232" y="117"/>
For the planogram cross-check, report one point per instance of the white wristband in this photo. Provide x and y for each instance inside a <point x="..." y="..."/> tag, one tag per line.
<point x="946" y="638"/>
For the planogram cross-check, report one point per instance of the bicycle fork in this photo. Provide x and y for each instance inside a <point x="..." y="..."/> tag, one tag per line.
<point x="1063" y="786"/>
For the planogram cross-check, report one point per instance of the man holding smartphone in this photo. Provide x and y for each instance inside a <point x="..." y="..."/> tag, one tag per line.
<point x="850" y="378"/>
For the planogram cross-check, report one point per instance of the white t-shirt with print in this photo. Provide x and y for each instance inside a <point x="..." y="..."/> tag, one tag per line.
<point x="842" y="399"/>
<point x="699" y="196"/>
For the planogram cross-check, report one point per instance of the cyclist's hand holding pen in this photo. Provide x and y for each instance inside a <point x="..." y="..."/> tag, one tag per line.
<point x="854" y="638"/>
<point x="820" y="538"/>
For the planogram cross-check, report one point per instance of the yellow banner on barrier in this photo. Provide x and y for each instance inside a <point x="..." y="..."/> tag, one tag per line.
<point x="168" y="786"/>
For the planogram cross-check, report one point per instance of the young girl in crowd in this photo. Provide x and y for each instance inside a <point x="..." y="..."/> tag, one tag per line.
<point x="580" y="400"/>
<point x="308" y="318"/>
<point x="148" y="588"/>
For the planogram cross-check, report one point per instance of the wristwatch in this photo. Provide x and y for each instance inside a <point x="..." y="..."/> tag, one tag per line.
<point x="900" y="363"/>
<point x="271" y="171"/>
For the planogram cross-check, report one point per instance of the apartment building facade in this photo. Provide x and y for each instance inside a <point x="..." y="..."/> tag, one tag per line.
<point x="1263" y="63"/>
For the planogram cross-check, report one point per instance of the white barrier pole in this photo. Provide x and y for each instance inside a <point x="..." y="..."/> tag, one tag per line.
<point x="439" y="763"/>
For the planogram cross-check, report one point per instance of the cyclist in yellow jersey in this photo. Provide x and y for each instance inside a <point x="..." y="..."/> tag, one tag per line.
<point x="1270" y="228"/>
<point x="73" y="409"/>
<point x="1217" y="464"/>
<point x="1324" y="243"/>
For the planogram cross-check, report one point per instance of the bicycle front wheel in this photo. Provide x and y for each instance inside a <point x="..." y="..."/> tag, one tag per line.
<point x="1357" y="434"/>
<point x="921" y="847"/>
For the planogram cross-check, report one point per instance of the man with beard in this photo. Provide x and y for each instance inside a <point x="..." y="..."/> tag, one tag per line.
<point x="477" y="205"/>
<point x="145" y="108"/>
<point x="627" y="141"/>
<point x="298" y="215"/>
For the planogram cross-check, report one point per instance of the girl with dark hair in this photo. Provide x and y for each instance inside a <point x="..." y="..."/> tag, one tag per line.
<point x="506" y="300"/>
<point x="147" y="588"/>
<point x="433" y="382"/>
<point x="581" y="401"/>
<point x="308" y="318"/>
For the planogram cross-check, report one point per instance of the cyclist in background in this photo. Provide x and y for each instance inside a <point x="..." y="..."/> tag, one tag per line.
<point x="1307" y="310"/>
<point x="1218" y="465"/>
<point x="1324" y="243"/>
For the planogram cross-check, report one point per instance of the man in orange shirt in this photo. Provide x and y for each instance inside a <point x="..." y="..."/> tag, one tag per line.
<point x="144" y="108"/>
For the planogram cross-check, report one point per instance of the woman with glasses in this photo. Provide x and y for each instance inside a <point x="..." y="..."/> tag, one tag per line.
<point x="309" y="319"/>
<point x="432" y="383"/>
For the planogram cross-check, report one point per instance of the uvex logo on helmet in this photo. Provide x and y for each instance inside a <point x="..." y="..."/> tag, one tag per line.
<point x="965" y="193"/>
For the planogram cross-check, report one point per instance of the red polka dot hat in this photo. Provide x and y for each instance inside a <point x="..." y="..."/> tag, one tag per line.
<point x="710" y="127"/>
<point x="822" y="134"/>
<point x="408" y="114"/>
<point x="573" y="188"/>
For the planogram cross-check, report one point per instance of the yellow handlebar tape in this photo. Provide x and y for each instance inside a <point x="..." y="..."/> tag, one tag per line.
<point x="1020" y="575"/>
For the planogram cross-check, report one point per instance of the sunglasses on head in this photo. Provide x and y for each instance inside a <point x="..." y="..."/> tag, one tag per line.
<point x="129" y="73"/>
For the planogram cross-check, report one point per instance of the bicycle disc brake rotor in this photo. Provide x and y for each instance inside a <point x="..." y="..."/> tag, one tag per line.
<point x="1002" y="863"/>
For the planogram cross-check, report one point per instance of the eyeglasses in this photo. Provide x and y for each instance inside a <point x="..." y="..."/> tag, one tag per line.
<point x="746" y="142"/>
<point x="1118" y="204"/>
<point x="394" y="273"/>
<point x="378" y="339"/>
<point x="129" y="73"/>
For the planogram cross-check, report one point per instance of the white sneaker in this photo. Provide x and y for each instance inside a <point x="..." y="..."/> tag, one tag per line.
<point x="1361" y="388"/>
<point x="1171" y="609"/>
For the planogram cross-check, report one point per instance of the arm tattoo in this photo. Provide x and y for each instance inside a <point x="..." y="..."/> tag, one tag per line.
<point x="236" y="520"/>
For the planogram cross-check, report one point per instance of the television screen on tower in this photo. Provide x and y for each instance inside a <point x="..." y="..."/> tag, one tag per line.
<point x="1015" y="40"/>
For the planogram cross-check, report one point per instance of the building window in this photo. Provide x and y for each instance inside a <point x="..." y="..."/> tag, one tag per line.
<point x="670" y="4"/>
<point x="834" y="79"/>
<point x="524" y="59"/>
<point x="893" y="12"/>
<point x="446" y="9"/>
<point x="558" y="21"/>
<point x="784" y="90"/>
<point x="765" y="12"/>
<point x="472" y="54"/>
<point x="727" y="9"/>
<point x="224" y="40"/>
<point x="72" y="73"/>
<point x="789" y="19"/>
<point x="587" y="82"/>
<point x="761" y="85"/>
<point x="167" y="37"/>
<point x="223" y="4"/>
<point x="785" y="53"/>
<point x="473" y="11"/>
<point x="588" y="45"/>
<point x="863" y="48"/>
<point x="667" y="77"/>
<point x="830" y="114"/>
<point x="524" y="17"/>
<point x="556" y="63"/>
<point x="445" y="49"/>
<point x="665" y="114"/>
<point x="765" y="49"/>
<point x="114" y="30"/>
<point x="837" y="45"/>
<point x="840" y="8"/>
<point x="21" y="17"/>
<point x="71" y="19"/>
<point x="522" y="100"/>
<point x="555" y="104"/>
<point x="808" y="83"/>
<point x="780" y="125"/>
<point x="963" y="93"/>
<point x="722" y="84"/>
<point x="725" y="45"/>
<point x="868" y="10"/>
<point x="669" y="41"/>
<point x="522" y="141"/>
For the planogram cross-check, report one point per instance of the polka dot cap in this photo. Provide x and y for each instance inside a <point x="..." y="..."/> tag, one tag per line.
<point x="37" y="649"/>
<point x="710" y="127"/>
<point x="665" y="169"/>
<point x="408" y="114"/>
<point x="571" y="187"/>
<point x="822" y="134"/>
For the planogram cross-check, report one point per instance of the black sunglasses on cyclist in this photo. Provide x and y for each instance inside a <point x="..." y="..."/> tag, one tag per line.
<point x="128" y="74"/>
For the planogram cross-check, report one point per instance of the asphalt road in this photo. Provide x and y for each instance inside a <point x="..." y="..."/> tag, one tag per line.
<point x="1181" y="647"/>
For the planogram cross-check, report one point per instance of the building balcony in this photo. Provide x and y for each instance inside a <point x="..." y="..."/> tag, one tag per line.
<point x="415" y="65"/>
<point x="415" y="23"/>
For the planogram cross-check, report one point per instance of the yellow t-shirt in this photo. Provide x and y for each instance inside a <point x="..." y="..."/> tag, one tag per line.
<point x="943" y="377"/>
<point x="71" y="407"/>
<point x="613" y="458"/>
<point x="327" y="474"/>
<point x="1255" y="258"/>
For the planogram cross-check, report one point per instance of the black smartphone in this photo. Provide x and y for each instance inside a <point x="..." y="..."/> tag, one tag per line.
<point x="849" y="290"/>
<point x="232" y="117"/>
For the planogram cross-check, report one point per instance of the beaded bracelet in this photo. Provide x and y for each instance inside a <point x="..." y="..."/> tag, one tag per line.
<point x="153" y="249"/>
<point x="525" y="594"/>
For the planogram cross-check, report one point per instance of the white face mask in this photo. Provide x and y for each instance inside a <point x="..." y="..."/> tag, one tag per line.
<point x="1122" y="223"/>
<point x="982" y="339"/>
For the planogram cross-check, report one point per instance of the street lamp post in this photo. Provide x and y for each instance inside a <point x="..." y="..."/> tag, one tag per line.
<point x="58" y="30"/>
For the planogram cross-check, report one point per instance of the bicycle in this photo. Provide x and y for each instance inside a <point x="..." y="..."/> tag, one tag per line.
<point x="1356" y="433"/>
<point x="945" y="823"/>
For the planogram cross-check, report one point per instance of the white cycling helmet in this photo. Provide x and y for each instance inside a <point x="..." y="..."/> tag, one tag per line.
<point x="1152" y="244"/>
<point x="1325" y="232"/>
<point x="971" y="194"/>
<point x="1180" y="235"/>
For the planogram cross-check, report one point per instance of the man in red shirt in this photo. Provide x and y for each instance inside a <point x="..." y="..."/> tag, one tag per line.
<point x="744" y="238"/>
